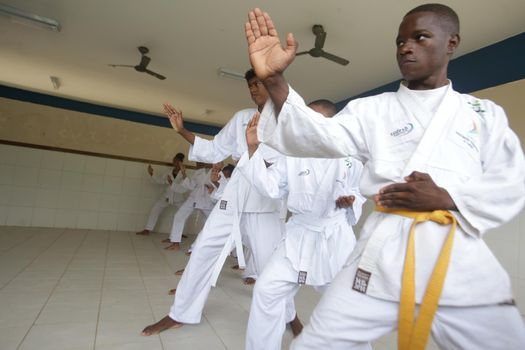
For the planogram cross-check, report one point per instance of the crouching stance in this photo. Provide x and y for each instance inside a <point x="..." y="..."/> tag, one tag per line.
<point x="318" y="236"/>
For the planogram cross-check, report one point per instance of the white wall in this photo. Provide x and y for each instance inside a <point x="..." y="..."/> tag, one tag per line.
<point x="55" y="189"/>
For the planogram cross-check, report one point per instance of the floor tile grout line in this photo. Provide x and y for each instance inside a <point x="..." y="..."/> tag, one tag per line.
<point x="58" y="281"/>
<point x="32" y="260"/>
<point x="19" y="243"/>
<point x="144" y="283"/>
<point x="108" y="239"/>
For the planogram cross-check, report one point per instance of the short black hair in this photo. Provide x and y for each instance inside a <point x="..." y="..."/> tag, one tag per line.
<point x="179" y="156"/>
<point x="229" y="168"/>
<point x="447" y="15"/>
<point x="327" y="105"/>
<point x="250" y="74"/>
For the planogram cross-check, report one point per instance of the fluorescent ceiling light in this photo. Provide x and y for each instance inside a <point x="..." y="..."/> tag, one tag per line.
<point x="28" y="18"/>
<point x="228" y="73"/>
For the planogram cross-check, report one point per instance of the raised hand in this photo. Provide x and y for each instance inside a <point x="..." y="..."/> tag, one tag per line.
<point x="150" y="170"/>
<point x="251" y="134"/>
<point x="418" y="193"/>
<point x="267" y="56"/>
<point x="175" y="117"/>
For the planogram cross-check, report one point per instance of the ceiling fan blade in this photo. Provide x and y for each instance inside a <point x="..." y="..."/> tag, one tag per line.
<point x="319" y="40"/>
<point x="335" y="58"/>
<point x="301" y="53"/>
<point x="156" y="75"/>
<point x="120" y="65"/>
<point x="144" y="61"/>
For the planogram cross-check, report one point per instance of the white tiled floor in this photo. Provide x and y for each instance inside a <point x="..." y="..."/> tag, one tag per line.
<point x="88" y="289"/>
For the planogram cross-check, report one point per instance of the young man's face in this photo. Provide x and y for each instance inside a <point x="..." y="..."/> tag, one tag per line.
<point x="257" y="91"/>
<point x="424" y="46"/>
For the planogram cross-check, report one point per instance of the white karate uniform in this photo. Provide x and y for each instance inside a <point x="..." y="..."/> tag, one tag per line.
<point x="466" y="146"/>
<point x="241" y="211"/>
<point x="199" y="199"/>
<point x="318" y="238"/>
<point x="173" y="195"/>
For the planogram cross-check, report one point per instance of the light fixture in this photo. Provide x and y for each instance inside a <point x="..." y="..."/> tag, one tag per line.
<point x="23" y="17"/>
<point x="228" y="73"/>
<point x="55" y="81"/>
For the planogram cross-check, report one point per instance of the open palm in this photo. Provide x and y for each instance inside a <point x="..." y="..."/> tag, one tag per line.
<point x="267" y="55"/>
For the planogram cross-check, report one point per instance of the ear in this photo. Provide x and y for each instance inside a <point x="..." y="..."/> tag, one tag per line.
<point x="453" y="43"/>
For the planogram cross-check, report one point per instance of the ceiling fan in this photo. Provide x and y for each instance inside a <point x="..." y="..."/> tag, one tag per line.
<point x="141" y="67"/>
<point x="317" y="50"/>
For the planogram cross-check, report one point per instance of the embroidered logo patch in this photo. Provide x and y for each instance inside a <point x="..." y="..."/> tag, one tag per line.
<point x="301" y="278"/>
<point x="407" y="129"/>
<point x="223" y="204"/>
<point x="304" y="172"/>
<point x="361" y="281"/>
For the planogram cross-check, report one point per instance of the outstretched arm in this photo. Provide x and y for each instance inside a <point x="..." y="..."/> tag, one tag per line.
<point x="175" y="117"/>
<point x="267" y="56"/>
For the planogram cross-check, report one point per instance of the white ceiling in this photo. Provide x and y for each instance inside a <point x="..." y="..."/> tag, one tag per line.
<point x="190" y="40"/>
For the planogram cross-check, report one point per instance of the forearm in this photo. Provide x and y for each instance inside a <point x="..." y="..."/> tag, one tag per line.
<point x="188" y="135"/>
<point x="277" y="88"/>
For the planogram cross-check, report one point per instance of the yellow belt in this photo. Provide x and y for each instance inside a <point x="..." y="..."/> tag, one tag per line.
<point x="413" y="333"/>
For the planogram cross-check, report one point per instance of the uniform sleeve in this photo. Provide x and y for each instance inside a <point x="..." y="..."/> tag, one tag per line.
<point x="301" y="132"/>
<point x="498" y="194"/>
<point x="217" y="149"/>
<point x="268" y="181"/>
<point x="217" y="192"/>
<point x="177" y="184"/>
<point x="353" y="177"/>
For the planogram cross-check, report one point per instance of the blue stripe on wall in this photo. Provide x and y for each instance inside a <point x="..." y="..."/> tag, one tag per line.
<point x="64" y="103"/>
<point x="492" y="65"/>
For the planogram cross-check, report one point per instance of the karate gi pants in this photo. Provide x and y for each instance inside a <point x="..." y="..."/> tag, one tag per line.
<point x="195" y="284"/>
<point x="180" y="217"/>
<point x="272" y="304"/>
<point x="155" y="212"/>
<point x="346" y="319"/>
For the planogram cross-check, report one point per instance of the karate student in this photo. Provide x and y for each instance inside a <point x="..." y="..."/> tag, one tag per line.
<point x="199" y="199"/>
<point x="428" y="152"/>
<point x="241" y="212"/>
<point x="318" y="238"/>
<point x="172" y="196"/>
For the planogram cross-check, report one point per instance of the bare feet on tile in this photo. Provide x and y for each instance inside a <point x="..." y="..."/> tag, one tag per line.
<point x="297" y="326"/>
<point x="166" y="240"/>
<point x="173" y="246"/>
<point x="143" y="233"/>
<point x="162" y="325"/>
<point x="179" y="272"/>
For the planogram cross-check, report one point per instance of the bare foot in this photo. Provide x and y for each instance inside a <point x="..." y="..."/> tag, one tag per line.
<point x="173" y="291"/>
<point x="249" y="281"/>
<point x="173" y="246"/>
<point x="143" y="233"/>
<point x="162" y="325"/>
<point x="235" y="267"/>
<point x="188" y="253"/>
<point x="297" y="326"/>
<point x="184" y="236"/>
<point x="179" y="272"/>
<point x="167" y="240"/>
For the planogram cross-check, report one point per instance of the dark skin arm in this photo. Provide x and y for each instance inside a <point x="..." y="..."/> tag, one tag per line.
<point x="418" y="193"/>
<point x="175" y="117"/>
